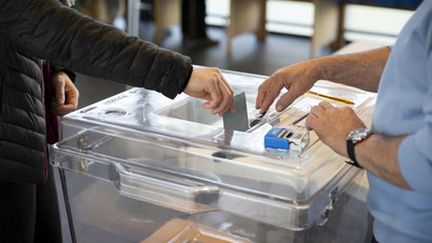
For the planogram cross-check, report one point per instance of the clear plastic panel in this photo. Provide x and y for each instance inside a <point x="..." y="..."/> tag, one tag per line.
<point x="163" y="150"/>
<point x="191" y="195"/>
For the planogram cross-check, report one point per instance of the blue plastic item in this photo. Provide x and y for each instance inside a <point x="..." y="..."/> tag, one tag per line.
<point x="278" y="138"/>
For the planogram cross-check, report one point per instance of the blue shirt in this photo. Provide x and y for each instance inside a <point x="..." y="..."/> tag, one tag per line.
<point x="404" y="107"/>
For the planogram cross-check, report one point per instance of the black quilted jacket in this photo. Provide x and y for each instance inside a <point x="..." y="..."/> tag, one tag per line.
<point x="31" y="30"/>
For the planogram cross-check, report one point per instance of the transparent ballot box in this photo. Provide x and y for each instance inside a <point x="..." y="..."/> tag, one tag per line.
<point x="139" y="167"/>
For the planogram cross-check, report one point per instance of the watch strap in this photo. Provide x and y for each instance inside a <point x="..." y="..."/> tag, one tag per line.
<point x="351" y="154"/>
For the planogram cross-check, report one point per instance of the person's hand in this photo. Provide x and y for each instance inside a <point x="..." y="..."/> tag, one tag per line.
<point x="297" y="78"/>
<point x="209" y="84"/>
<point x="66" y="94"/>
<point x="332" y="125"/>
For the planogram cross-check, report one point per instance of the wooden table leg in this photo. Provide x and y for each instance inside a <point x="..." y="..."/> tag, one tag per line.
<point x="325" y="27"/>
<point x="262" y="31"/>
<point x="244" y="17"/>
<point x="340" y="39"/>
<point x="166" y="14"/>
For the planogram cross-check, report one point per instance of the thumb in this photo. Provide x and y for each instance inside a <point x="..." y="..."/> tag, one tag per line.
<point x="60" y="92"/>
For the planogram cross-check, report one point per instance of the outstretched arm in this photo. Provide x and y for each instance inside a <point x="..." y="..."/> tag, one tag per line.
<point x="362" y="70"/>
<point x="48" y="30"/>
<point x="51" y="31"/>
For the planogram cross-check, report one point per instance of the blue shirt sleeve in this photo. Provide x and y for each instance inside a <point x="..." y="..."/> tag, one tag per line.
<point x="415" y="152"/>
<point x="415" y="161"/>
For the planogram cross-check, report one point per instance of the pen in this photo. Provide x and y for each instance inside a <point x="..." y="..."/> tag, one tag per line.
<point x="345" y="101"/>
<point x="300" y="119"/>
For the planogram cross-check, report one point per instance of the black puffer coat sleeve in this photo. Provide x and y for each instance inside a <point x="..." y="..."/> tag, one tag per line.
<point x="48" y="30"/>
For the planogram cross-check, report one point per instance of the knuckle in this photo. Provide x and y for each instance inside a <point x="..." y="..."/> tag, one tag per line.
<point x="275" y="76"/>
<point x="57" y="79"/>
<point x="323" y="103"/>
<point x="279" y="71"/>
<point x="218" y="98"/>
<point x="309" y="121"/>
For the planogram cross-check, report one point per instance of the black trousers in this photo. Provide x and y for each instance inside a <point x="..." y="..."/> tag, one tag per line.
<point x="193" y="18"/>
<point x="29" y="213"/>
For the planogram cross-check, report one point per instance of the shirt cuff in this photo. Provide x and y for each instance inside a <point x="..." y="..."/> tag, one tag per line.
<point x="415" y="167"/>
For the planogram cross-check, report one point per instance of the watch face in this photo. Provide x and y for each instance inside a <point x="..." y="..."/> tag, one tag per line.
<point x="358" y="135"/>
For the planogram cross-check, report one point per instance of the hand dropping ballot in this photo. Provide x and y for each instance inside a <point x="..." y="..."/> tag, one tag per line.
<point x="293" y="139"/>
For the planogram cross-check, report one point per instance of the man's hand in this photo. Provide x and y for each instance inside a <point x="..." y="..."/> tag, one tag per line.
<point x="362" y="70"/>
<point x="209" y="84"/>
<point x="332" y="125"/>
<point x="297" y="78"/>
<point x="66" y="94"/>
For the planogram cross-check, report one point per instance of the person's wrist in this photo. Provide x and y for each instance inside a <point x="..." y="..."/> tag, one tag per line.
<point x="187" y="80"/>
<point x="318" y="70"/>
<point x="354" y="140"/>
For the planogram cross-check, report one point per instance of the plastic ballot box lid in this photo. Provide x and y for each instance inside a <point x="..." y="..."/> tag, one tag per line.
<point x="175" y="154"/>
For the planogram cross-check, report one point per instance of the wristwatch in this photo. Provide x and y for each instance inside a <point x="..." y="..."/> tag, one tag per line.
<point x="355" y="137"/>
